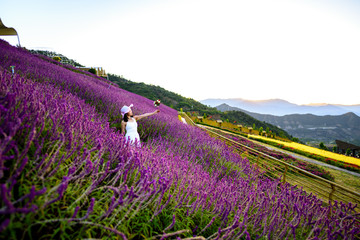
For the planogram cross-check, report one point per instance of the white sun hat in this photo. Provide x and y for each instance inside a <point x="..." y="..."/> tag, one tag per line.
<point x="125" y="109"/>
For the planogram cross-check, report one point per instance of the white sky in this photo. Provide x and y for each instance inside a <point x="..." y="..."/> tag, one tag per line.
<point x="302" y="51"/>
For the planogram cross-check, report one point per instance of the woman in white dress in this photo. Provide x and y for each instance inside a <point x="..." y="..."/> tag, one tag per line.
<point x="129" y="123"/>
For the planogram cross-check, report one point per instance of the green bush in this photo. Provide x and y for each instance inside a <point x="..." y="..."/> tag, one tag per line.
<point x="92" y="70"/>
<point x="57" y="58"/>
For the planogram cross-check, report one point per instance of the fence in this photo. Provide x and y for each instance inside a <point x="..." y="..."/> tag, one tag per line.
<point x="275" y="168"/>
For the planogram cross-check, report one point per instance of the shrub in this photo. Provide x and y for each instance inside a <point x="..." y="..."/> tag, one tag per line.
<point x="92" y="70"/>
<point x="57" y="58"/>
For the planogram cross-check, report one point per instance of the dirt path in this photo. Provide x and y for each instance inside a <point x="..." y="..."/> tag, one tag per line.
<point x="298" y="156"/>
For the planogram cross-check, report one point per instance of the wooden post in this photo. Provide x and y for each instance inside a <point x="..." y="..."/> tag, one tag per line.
<point x="284" y="174"/>
<point x="332" y="192"/>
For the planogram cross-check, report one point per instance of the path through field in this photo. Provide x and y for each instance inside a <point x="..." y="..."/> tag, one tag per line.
<point x="309" y="159"/>
<point x="295" y="155"/>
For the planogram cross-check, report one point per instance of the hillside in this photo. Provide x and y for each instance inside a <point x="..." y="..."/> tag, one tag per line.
<point x="68" y="173"/>
<point x="178" y="102"/>
<point x="312" y="128"/>
<point x="175" y="100"/>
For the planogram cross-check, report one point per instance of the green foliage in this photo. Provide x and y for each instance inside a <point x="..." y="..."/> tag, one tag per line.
<point x="261" y="129"/>
<point x="348" y="152"/>
<point x="63" y="58"/>
<point x="57" y="58"/>
<point x="323" y="147"/>
<point x="92" y="70"/>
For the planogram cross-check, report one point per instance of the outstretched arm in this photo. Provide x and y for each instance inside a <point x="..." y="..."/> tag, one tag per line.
<point x="138" y="117"/>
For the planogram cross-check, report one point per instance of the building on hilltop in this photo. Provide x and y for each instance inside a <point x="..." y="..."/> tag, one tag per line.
<point x="342" y="147"/>
<point x="99" y="71"/>
<point x="215" y="117"/>
<point x="8" y="31"/>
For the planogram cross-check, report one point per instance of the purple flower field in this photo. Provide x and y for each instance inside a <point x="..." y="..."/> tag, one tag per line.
<point x="67" y="173"/>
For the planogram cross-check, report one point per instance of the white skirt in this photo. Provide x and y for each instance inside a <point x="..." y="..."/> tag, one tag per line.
<point x="131" y="133"/>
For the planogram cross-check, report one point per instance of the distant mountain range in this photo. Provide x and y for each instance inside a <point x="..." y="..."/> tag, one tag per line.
<point x="312" y="128"/>
<point x="278" y="107"/>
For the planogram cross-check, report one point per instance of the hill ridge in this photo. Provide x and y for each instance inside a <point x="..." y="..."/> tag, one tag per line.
<point x="312" y="128"/>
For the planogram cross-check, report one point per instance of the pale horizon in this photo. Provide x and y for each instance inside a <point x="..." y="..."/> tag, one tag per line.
<point x="300" y="51"/>
<point x="274" y="99"/>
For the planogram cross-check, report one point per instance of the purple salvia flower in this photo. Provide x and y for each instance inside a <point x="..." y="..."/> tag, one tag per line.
<point x="57" y="167"/>
<point x="61" y="190"/>
<point x="4" y="192"/>
<point x="194" y="230"/>
<point x="74" y="214"/>
<point x="111" y="206"/>
<point x="163" y="206"/>
<point x="218" y="234"/>
<point x="116" y="232"/>
<point x="4" y="224"/>
<point x="171" y="225"/>
<point x="207" y="226"/>
<point x="17" y="173"/>
<point x="90" y="209"/>
<point x="248" y="237"/>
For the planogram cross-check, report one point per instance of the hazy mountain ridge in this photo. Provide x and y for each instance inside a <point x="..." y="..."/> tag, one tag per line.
<point x="309" y="127"/>
<point x="280" y="107"/>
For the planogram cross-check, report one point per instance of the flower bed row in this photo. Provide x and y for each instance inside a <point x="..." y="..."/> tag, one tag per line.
<point x="345" y="162"/>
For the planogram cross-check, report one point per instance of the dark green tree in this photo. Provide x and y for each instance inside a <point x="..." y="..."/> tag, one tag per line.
<point x="348" y="152"/>
<point x="267" y="130"/>
<point x="261" y="130"/>
<point x="322" y="146"/>
<point x="92" y="70"/>
<point x="334" y="149"/>
<point x="57" y="58"/>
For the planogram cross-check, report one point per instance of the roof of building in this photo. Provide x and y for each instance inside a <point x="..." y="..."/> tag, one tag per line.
<point x="345" y="145"/>
<point x="6" y="30"/>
